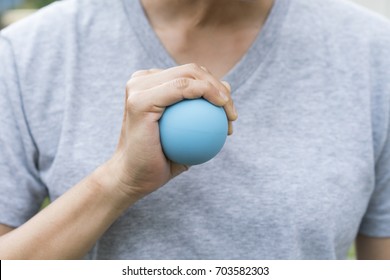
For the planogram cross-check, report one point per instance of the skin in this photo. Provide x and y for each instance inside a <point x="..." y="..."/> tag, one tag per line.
<point x="370" y="248"/>
<point x="138" y="167"/>
<point x="194" y="31"/>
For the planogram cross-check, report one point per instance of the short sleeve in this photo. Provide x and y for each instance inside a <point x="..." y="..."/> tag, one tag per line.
<point x="21" y="190"/>
<point x="376" y="221"/>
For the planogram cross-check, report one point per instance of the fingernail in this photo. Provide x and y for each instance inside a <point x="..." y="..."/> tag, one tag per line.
<point x="204" y="69"/>
<point x="223" y="96"/>
<point x="227" y="85"/>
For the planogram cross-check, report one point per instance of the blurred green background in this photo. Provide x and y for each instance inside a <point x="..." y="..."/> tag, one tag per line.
<point x="35" y="4"/>
<point x="13" y="10"/>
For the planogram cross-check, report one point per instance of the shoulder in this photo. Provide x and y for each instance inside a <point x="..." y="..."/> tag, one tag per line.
<point x="351" y="43"/>
<point x="341" y="19"/>
<point x="48" y="19"/>
<point x="55" y="34"/>
<point x="343" y="31"/>
<point x="61" y="21"/>
<point x="42" y="32"/>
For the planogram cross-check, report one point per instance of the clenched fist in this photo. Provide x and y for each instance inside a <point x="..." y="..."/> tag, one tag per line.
<point x="138" y="166"/>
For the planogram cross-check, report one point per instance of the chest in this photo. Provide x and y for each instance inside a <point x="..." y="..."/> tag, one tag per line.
<point x="218" y="50"/>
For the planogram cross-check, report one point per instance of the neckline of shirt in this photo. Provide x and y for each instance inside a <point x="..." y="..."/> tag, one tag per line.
<point x="240" y="72"/>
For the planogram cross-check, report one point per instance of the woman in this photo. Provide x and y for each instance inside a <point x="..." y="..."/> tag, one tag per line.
<point x="304" y="173"/>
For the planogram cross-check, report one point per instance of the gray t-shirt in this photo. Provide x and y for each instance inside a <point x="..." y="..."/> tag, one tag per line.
<point x="307" y="168"/>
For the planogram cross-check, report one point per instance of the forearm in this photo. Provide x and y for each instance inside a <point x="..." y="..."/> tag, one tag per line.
<point x="69" y="227"/>
<point x="370" y="248"/>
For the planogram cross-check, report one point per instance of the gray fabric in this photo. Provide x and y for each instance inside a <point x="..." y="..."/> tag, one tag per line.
<point x="306" y="169"/>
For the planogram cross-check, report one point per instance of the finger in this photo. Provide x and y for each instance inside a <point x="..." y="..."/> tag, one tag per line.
<point x="183" y="71"/>
<point x="227" y="85"/>
<point x="231" y="113"/>
<point x="230" y="110"/>
<point x="195" y="71"/>
<point x="137" y="80"/>
<point x="123" y="128"/>
<point x="141" y="73"/>
<point x="192" y="71"/>
<point x="229" y="107"/>
<point x="200" y="73"/>
<point x="205" y="69"/>
<point x="157" y="98"/>
<point x="230" y="128"/>
<point x="177" y="169"/>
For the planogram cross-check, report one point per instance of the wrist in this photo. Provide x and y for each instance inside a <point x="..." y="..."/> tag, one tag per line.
<point x="105" y="179"/>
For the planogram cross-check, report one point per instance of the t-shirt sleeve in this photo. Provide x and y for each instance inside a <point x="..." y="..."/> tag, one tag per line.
<point x="376" y="221"/>
<point x="21" y="190"/>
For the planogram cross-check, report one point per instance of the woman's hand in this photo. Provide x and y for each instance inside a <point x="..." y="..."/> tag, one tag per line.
<point x="139" y="166"/>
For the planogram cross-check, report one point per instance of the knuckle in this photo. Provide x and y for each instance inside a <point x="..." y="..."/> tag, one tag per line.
<point x="138" y="73"/>
<point x="130" y="85"/>
<point x="209" y="86"/>
<point x="205" y="69"/>
<point x="194" y="68"/>
<point x="180" y="83"/>
<point x="133" y="100"/>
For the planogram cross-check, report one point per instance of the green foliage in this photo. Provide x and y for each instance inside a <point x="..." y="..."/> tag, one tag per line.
<point x="352" y="253"/>
<point x="35" y="4"/>
<point x="45" y="203"/>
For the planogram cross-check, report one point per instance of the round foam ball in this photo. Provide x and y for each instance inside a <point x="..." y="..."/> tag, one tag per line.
<point x="193" y="131"/>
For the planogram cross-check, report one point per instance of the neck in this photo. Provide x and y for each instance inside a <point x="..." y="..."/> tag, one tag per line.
<point x="205" y="13"/>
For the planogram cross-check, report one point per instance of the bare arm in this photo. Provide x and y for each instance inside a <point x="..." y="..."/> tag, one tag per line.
<point x="370" y="248"/>
<point x="70" y="225"/>
<point x="67" y="228"/>
<point x="4" y="229"/>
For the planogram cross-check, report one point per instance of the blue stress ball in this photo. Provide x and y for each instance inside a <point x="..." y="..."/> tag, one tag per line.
<point x="193" y="131"/>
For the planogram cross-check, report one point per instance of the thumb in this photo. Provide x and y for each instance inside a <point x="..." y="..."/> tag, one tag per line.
<point x="177" y="169"/>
